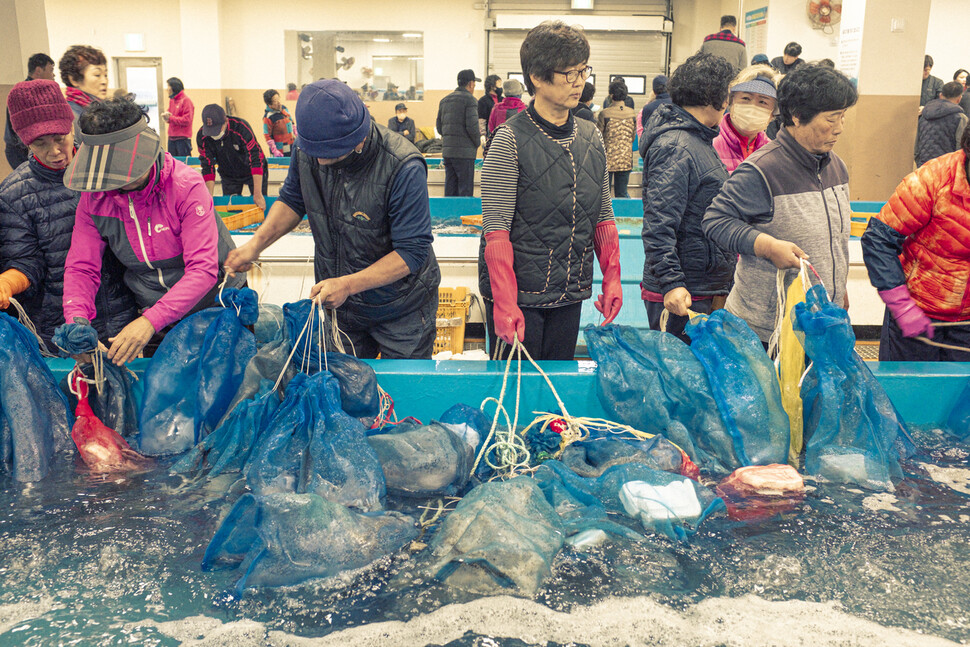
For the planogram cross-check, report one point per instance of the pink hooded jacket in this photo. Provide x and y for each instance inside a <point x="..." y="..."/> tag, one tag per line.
<point x="167" y="236"/>
<point x="732" y="148"/>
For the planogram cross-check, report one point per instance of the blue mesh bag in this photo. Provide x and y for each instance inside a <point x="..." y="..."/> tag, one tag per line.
<point x="358" y="381"/>
<point x="286" y="539"/>
<point x="425" y="461"/>
<point x="312" y="445"/>
<point x="195" y="373"/>
<point x="590" y="458"/>
<point x="469" y="422"/>
<point x="115" y="404"/>
<point x="745" y="385"/>
<point x="502" y="537"/>
<point x="853" y="432"/>
<point x="270" y="326"/>
<point x="651" y="381"/>
<point x="35" y="419"/>
<point x="229" y="447"/>
<point x="958" y="422"/>
<point x="669" y="504"/>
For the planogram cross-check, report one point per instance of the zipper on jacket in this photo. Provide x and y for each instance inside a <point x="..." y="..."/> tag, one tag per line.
<point x="141" y="242"/>
<point x="828" y="221"/>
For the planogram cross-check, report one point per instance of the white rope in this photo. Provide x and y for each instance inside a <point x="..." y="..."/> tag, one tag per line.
<point x="29" y="325"/>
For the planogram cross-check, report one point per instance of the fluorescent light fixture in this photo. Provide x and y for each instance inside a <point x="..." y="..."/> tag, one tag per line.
<point x="382" y="40"/>
<point x="415" y="58"/>
<point x="581" y="4"/>
<point x="382" y="58"/>
<point x="412" y="35"/>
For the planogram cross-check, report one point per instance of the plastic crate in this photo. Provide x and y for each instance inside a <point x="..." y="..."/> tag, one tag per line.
<point x="244" y="218"/>
<point x="453" y="305"/>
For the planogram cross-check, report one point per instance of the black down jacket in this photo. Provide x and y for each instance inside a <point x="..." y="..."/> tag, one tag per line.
<point x="36" y="222"/>
<point x="458" y="124"/>
<point x="681" y="175"/>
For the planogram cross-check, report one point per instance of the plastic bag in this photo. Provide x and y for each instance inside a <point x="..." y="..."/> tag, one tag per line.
<point x="230" y="446"/>
<point x="790" y="362"/>
<point x="312" y="445"/>
<point x="35" y="420"/>
<point x="854" y="433"/>
<point x="285" y="539"/>
<point x="501" y="538"/>
<point x="608" y="490"/>
<point x="270" y="325"/>
<point x="101" y="448"/>
<point x="761" y="491"/>
<point x="745" y="386"/>
<point x="651" y="381"/>
<point x="424" y="461"/>
<point x="590" y="458"/>
<point x="958" y="422"/>
<point x="115" y="405"/>
<point x="195" y="373"/>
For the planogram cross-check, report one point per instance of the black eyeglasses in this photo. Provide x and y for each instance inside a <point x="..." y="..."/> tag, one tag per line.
<point x="573" y="75"/>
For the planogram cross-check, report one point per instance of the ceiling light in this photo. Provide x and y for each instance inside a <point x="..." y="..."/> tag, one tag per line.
<point x="382" y="40"/>
<point x="412" y="35"/>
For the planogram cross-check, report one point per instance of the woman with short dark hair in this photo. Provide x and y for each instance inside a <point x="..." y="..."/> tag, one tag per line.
<point x="961" y="77"/>
<point x="84" y="70"/>
<point x="491" y="98"/>
<point x="789" y="200"/>
<point x="546" y="206"/>
<point x="917" y="253"/>
<point x="154" y="213"/>
<point x="179" y="116"/>
<point x="618" y="124"/>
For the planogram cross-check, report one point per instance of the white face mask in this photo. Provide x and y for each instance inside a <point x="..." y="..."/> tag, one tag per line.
<point x="750" y="118"/>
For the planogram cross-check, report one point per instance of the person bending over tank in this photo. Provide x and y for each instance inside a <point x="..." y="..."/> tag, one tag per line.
<point x="154" y="214"/>
<point x="365" y="192"/>
<point x="789" y="200"/>
<point x="228" y="144"/>
<point x="546" y="206"/>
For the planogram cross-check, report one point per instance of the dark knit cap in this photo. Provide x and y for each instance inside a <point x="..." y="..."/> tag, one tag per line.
<point x="38" y="108"/>
<point x="332" y="118"/>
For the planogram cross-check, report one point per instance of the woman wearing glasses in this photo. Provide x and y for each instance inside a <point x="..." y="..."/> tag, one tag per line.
<point x="546" y="206"/>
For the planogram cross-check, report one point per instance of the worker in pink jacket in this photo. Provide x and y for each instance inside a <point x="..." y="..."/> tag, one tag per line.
<point x="179" y="117"/>
<point x="155" y="215"/>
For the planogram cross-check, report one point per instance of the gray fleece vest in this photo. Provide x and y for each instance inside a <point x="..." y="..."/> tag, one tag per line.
<point x="810" y="207"/>
<point x="347" y="210"/>
<point x="558" y="202"/>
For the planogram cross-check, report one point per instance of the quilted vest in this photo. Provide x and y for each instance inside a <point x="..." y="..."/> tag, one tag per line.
<point x="558" y="200"/>
<point x="347" y="211"/>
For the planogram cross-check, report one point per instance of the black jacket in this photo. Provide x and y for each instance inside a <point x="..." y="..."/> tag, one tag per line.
<point x="485" y="105"/>
<point x="939" y="129"/>
<point x="682" y="174"/>
<point x="930" y="89"/>
<point x="584" y="112"/>
<point x="399" y="127"/>
<point x="15" y="150"/>
<point x="36" y="223"/>
<point x="647" y="111"/>
<point x="458" y="124"/>
<point x="778" y="63"/>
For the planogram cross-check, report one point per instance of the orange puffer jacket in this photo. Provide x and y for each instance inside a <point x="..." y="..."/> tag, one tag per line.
<point x="931" y="207"/>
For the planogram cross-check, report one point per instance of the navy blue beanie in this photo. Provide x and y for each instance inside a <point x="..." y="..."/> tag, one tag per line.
<point x="331" y="119"/>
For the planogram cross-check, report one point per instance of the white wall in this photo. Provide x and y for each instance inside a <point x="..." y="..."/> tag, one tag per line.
<point x="946" y="37"/>
<point x="787" y="22"/>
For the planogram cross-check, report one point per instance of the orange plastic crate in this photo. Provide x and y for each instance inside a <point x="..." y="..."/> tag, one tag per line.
<point x="238" y="220"/>
<point x="453" y="306"/>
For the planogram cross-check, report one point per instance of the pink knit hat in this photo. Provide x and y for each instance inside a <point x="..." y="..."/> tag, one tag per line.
<point x="38" y="108"/>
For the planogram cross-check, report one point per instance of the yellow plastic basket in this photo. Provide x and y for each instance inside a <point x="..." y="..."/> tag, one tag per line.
<point x="233" y="219"/>
<point x="453" y="305"/>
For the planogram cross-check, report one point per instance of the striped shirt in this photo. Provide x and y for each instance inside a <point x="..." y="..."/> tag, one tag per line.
<point x="500" y="179"/>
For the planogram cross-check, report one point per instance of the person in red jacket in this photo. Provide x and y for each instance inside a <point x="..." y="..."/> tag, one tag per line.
<point x="179" y="118"/>
<point x="917" y="252"/>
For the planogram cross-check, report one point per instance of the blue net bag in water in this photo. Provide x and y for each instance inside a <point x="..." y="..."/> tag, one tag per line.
<point x="425" y="461"/>
<point x="501" y="538"/>
<point x="744" y="384"/>
<point x="285" y="539"/>
<point x="312" y="445"/>
<point x="853" y="432"/>
<point x="35" y="419"/>
<point x="590" y="458"/>
<point x="115" y="404"/>
<point x="195" y="374"/>
<point x="651" y="381"/>
<point x="958" y="422"/>
<point x="644" y="493"/>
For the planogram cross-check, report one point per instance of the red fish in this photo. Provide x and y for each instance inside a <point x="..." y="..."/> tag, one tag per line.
<point x="102" y="449"/>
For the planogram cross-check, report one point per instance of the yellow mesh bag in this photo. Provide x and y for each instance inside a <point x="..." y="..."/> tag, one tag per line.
<point x="790" y="358"/>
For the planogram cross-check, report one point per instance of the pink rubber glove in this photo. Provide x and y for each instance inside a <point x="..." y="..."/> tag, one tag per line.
<point x="606" y="243"/>
<point x="912" y="321"/>
<point x="274" y="151"/>
<point x="509" y="322"/>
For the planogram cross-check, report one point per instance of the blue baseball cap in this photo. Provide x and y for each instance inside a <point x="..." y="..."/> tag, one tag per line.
<point x="332" y="119"/>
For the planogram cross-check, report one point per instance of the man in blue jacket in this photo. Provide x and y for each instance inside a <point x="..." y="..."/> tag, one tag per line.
<point x="460" y="137"/>
<point x="682" y="174"/>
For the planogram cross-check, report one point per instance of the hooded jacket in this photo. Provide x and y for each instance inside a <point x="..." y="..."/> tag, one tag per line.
<point x="506" y="109"/>
<point x="681" y="176"/>
<point x="939" y="130"/>
<point x="36" y="221"/>
<point x="167" y="235"/>
<point x="732" y="148"/>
